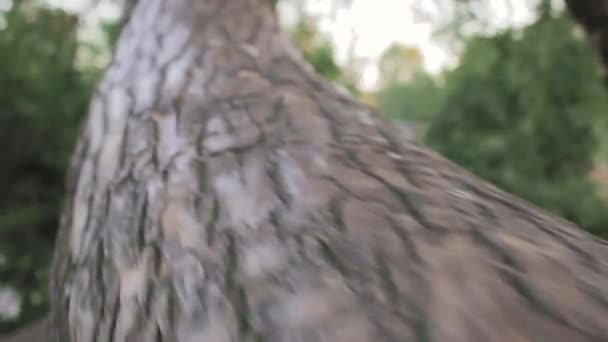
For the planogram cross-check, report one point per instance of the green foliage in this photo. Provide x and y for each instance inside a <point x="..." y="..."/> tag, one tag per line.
<point x="415" y="100"/>
<point x="406" y="92"/>
<point x="523" y="110"/>
<point x="319" y="51"/>
<point x="43" y="97"/>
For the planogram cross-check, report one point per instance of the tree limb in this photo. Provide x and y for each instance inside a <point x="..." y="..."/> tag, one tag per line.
<point x="222" y="191"/>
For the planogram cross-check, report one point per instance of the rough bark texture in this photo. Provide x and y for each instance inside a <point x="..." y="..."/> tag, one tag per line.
<point x="593" y="16"/>
<point x="224" y="192"/>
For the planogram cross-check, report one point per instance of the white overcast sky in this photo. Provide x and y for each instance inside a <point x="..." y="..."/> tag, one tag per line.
<point x="379" y="23"/>
<point x="376" y="24"/>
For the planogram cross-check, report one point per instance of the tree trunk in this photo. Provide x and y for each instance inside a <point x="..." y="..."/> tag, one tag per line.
<point x="593" y="16"/>
<point x="221" y="191"/>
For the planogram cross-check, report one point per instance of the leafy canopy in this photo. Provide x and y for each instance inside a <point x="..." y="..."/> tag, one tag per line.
<point x="524" y="110"/>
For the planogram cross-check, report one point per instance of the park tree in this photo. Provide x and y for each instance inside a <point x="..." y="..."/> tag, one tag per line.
<point x="222" y="191"/>
<point x="402" y="79"/>
<point x="502" y="111"/>
<point x="514" y="100"/>
<point x="318" y="50"/>
<point x="593" y="16"/>
<point x="42" y="100"/>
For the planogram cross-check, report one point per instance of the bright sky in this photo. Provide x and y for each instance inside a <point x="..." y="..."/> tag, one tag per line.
<point x="376" y="24"/>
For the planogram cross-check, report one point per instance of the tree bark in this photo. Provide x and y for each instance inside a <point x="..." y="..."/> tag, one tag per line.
<point x="221" y="191"/>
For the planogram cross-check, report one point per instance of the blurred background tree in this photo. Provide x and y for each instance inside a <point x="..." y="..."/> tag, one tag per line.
<point x="43" y="97"/>
<point x="319" y="51"/>
<point x="523" y="107"/>
<point x="524" y="110"/>
<point x="405" y="91"/>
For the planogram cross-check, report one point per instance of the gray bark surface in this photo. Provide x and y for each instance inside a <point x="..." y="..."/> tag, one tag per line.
<point x="221" y="191"/>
